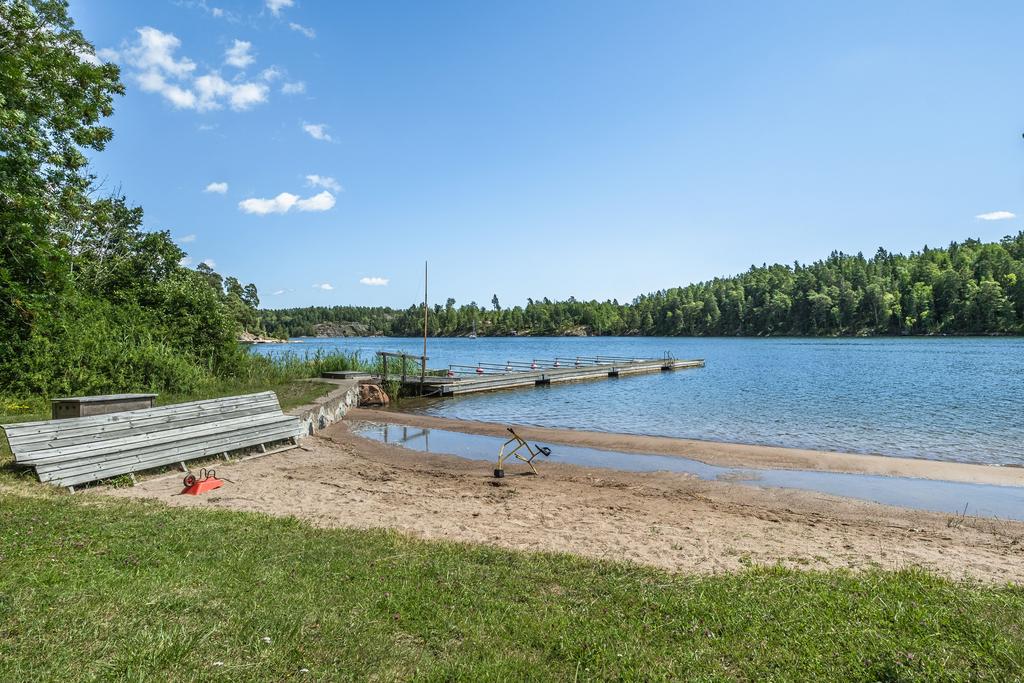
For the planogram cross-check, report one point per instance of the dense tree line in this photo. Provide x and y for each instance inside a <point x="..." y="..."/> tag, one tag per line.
<point x="968" y="287"/>
<point x="89" y="300"/>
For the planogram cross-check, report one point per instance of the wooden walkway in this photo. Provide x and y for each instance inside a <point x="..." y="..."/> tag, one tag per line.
<point x="493" y="377"/>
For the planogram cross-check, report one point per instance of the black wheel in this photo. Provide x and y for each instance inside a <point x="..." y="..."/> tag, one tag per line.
<point x="498" y="474"/>
<point x="189" y="480"/>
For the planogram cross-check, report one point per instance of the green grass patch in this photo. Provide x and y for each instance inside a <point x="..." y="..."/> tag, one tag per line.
<point x="96" y="588"/>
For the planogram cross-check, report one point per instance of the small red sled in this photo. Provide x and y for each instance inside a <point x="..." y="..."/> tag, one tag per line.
<point x="207" y="481"/>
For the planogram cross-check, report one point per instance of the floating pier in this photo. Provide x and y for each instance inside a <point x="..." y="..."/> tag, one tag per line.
<point x="468" y="379"/>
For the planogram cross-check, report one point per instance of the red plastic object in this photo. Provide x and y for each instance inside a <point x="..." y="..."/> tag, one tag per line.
<point x="199" y="486"/>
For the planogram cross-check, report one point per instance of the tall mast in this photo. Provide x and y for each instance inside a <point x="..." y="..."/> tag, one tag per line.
<point x="423" y="369"/>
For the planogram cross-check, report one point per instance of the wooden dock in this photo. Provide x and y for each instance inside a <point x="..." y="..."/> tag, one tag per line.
<point x="464" y="379"/>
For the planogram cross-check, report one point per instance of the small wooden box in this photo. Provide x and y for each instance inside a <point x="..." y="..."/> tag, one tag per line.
<point x="84" y="406"/>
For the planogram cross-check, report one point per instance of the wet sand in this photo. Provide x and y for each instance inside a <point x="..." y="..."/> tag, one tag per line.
<point x="674" y="521"/>
<point x="722" y="454"/>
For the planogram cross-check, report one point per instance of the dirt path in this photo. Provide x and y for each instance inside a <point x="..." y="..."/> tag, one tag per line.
<point x="668" y="520"/>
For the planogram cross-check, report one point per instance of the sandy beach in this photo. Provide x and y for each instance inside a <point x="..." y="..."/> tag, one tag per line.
<point x="673" y="521"/>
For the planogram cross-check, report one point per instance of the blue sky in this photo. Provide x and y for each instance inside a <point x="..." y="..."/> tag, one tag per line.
<point x="324" y="150"/>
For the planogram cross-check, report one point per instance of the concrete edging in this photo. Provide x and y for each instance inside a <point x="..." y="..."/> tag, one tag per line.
<point x="327" y="410"/>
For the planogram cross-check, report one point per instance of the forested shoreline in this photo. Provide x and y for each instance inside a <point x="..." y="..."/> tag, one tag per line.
<point x="967" y="288"/>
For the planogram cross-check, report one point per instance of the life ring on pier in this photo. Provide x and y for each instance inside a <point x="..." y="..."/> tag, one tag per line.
<point x="479" y="371"/>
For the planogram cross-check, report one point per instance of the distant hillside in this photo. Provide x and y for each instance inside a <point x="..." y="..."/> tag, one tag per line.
<point x="967" y="288"/>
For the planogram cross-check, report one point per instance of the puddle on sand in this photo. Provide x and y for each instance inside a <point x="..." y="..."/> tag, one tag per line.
<point x="987" y="500"/>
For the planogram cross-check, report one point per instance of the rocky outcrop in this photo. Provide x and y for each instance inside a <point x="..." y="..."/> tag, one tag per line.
<point x="250" y="338"/>
<point x="340" y="329"/>
<point x="372" y="395"/>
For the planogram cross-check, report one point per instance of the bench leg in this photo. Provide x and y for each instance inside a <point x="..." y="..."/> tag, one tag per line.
<point x="71" y="489"/>
<point x="225" y="456"/>
<point x="263" y="448"/>
<point x="184" y="467"/>
<point x="134" y="480"/>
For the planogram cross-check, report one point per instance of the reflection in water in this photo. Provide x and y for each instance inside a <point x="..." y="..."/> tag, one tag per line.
<point x="922" y="494"/>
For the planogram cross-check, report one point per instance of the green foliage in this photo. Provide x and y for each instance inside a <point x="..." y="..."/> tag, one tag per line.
<point x="267" y="597"/>
<point x="90" y="301"/>
<point x="51" y="103"/>
<point x="967" y="288"/>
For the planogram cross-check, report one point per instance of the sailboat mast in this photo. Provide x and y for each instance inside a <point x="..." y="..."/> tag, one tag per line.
<point x="423" y="367"/>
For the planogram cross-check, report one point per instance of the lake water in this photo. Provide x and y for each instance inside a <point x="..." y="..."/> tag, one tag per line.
<point x="956" y="399"/>
<point x="1005" y="502"/>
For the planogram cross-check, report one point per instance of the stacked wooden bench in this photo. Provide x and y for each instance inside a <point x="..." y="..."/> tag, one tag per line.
<point x="79" y="450"/>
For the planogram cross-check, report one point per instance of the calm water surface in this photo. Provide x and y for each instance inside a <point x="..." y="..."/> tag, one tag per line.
<point x="922" y="494"/>
<point x="950" y="399"/>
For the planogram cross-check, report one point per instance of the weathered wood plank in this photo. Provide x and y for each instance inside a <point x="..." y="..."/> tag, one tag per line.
<point x="19" y="428"/>
<point x="78" y="450"/>
<point x="169" y="435"/>
<point x="108" y="472"/>
<point x="167" y="456"/>
<point x="126" y="429"/>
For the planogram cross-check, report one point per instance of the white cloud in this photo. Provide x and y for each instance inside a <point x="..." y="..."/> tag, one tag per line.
<point x="996" y="216"/>
<point x="304" y="30"/>
<point x="318" y="131"/>
<point x="324" y="181"/>
<point x="217" y="12"/>
<point x="261" y="207"/>
<point x="296" y="88"/>
<point x="217" y="188"/>
<point x="275" y="6"/>
<point x="153" y="81"/>
<point x="279" y="292"/>
<point x="185" y="239"/>
<point x="185" y="261"/>
<point x="209" y="263"/>
<point x="271" y="73"/>
<point x="374" y="281"/>
<point x="213" y="89"/>
<point x="238" y="55"/>
<point x="108" y="55"/>
<point x="159" y="70"/>
<point x="154" y="51"/>
<point x="284" y="202"/>
<point x="318" y="202"/>
<point x="326" y="286"/>
<point x="246" y="95"/>
<point x="207" y="126"/>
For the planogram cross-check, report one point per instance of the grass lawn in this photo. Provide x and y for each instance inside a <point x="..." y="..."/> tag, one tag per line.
<point x="100" y="588"/>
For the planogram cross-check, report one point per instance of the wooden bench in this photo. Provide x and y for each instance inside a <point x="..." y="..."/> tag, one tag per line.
<point x="74" y="451"/>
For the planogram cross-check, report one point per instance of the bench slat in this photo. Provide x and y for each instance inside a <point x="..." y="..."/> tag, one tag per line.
<point x="139" y="466"/>
<point x="143" y="441"/>
<point x="135" y="427"/>
<point x="78" y="450"/>
<point x="28" y="432"/>
<point x="169" y="455"/>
